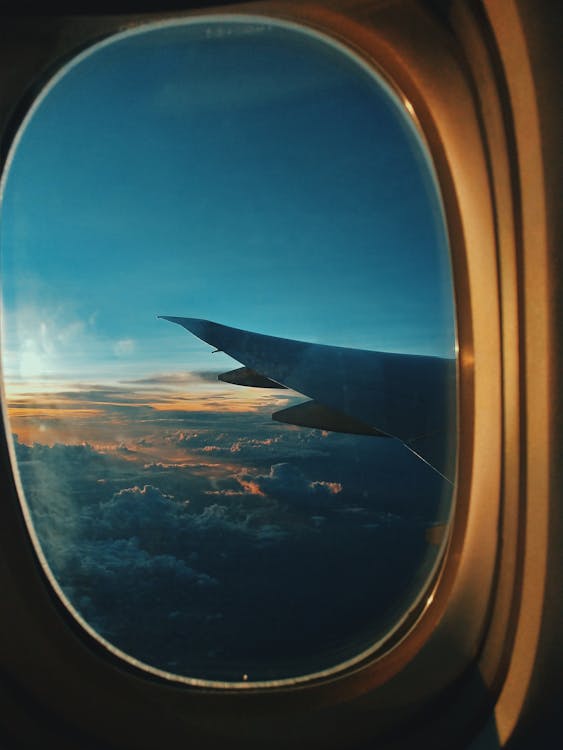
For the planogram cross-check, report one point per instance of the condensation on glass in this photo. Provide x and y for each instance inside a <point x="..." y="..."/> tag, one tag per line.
<point x="260" y="186"/>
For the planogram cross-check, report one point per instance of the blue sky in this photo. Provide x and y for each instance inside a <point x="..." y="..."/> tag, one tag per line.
<point x="247" y="174"/>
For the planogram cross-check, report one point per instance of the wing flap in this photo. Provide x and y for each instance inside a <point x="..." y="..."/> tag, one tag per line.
<point x="247" y="376"/>
<point x="319" y="416"/>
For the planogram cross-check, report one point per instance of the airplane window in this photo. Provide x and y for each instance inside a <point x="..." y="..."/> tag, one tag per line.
<point x="229" y="349"/>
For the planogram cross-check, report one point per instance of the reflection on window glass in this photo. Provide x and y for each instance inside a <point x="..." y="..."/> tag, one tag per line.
<point x="257" y="176"/>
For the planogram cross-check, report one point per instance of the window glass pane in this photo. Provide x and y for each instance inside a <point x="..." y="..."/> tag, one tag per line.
<point x="258" y="176"/>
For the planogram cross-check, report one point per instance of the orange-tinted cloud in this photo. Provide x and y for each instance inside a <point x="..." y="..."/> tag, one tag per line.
<point x="112" y="414"/>
<point x="250" y="486"/>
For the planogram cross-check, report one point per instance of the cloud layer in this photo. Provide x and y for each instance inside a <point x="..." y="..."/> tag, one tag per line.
<point x="216" y="543"/>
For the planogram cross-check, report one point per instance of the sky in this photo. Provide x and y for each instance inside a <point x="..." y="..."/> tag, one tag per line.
<point x="251" y="175"/>
<point x="259" y="179"/>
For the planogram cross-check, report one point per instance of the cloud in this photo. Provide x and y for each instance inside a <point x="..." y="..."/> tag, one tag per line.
<point x="125" y="558"/>
<point x="85" y="411"/>
<point x="169" y="558"/>
<point x="162" y="520"/>
<point x="123" y="347"/>
<point x="143" y="512"/>
<point x="264" y="439"/>
<point x="42" y="341"/>
<point x="64" y="460"/>
<point x="232" y="419"/>
<point x="323" y="488"/>
<point x="288" y="483"/>
<point x="175" y="379"/>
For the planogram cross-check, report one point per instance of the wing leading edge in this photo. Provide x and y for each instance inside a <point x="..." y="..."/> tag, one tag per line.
<point x="406" y="396"/>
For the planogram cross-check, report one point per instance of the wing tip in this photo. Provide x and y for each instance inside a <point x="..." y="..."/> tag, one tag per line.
<point x="192" y="324"/>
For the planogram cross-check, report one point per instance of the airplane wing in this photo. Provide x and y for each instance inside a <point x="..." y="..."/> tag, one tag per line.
<point x="405" y="396"/>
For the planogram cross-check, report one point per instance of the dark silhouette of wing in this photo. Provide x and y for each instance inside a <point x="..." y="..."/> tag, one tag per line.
<point x="405" y="396"/>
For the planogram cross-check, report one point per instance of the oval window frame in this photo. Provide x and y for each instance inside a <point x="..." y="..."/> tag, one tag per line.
<point x="441" y="632"/>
